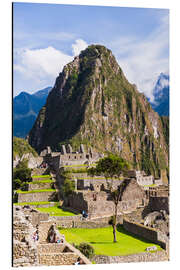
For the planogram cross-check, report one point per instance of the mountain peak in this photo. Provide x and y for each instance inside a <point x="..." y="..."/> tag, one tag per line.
<point x="161" y="95"/>
<point x="93" y="103"/>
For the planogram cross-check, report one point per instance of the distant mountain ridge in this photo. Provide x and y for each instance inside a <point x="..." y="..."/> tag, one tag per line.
<point x="161" y="95"/>
<point x="25" y="110"/>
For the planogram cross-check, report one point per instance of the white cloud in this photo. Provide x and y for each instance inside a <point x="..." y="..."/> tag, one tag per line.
<point x="142" y="60"/>
<point x="41" y="64"/>
<point x="78" y="46"/>
<point x="40" y="67"/>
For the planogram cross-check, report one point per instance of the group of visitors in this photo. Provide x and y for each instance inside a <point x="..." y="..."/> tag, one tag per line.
<point x="53" y="237"/>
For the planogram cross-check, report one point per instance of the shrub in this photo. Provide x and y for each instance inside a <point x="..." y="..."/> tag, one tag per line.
<point x="86" y="249"/>
<point x="16" y="184"/>
<point x="24" y="186"/>
<point x="68" y="187"/>
<point x="22" y="172"/>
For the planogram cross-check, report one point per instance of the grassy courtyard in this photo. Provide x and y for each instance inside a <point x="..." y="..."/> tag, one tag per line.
<point x="102" y="241"/>
<point x="55" y="211"/>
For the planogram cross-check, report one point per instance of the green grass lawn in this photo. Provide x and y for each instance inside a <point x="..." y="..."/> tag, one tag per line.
<point x="32" y="203"/>
<point x="37" y="190"/>
<point x="55" y="211"/>
<point x="102" y="240"/>
<point x="42" y="176"/>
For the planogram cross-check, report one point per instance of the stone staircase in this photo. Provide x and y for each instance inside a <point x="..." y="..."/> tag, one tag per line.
<point x="56" y="253"/>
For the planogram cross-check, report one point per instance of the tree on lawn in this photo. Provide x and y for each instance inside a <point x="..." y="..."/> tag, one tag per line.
<point x="112" y="168"/>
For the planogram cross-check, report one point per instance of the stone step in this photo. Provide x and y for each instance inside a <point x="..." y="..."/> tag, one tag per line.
<point x="51" y="248"/>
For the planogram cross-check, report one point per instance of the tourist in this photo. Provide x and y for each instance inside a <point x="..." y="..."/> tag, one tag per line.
<point x="36" y="236"/>
<point x="79" y="261"/>
<point x="52" y="237"/>
<point x="84" y="214"/>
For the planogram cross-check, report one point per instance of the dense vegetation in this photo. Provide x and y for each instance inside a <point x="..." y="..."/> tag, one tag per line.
<point x="21" y="176"/>
<point x="21" y="146"/>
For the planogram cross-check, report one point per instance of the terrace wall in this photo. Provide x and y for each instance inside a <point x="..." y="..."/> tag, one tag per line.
<point x="145" y="232"/>
<point x="36" y="197"/>
<point x="68" y="258"/>
<point x="39" y="186"/>
<point x="140" y="257"/>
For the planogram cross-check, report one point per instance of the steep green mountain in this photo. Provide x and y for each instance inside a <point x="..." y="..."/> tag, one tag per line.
<point x="93" y="103"/>
<point x="21" y="146"/>
<point x="25" y="110"/>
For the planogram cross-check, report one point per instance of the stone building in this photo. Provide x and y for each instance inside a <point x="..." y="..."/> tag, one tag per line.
<point x="141" y="177"/>
<point x="99" y="203"/>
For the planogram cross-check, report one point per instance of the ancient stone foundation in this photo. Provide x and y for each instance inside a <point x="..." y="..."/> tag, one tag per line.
<point x="141" y="257"/>
<point x="36" y="197"/>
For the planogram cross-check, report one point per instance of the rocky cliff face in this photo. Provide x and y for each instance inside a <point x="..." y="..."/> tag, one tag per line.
<point x="93" y="103"/>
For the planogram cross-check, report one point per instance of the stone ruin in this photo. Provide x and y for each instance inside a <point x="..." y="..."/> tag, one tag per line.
<point x="27" y="252"/>
<point x="144" y="179"/>
<point x="68" y="157"/>
<point x="97" y="202"/>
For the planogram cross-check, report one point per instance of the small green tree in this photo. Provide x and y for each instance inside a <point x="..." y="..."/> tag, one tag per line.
<point x="68" y="187"/>
<point x="21" y="175"/>
<point x="22" y="172"/>
<point x="112" y="168"/>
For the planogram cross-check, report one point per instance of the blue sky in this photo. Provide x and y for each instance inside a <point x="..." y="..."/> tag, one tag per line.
<point x="48" y="36"/>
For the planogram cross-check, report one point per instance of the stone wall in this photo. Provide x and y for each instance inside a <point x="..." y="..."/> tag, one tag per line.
<point x="159" y="203"/>
<point x="95" y="184"/>
<point x="77" y="222"/>
<point x="39" y="186"/>
<point x="144" y="231"/>
<point x="37" y="217"/>
<point x="76" y="201"/>
<point x="24" y="255"/>
<point x="24" y="248"/>
<point x="36" y="196"/>
<point x="68" y="258"/>
<point x="145" y="180"/>
<point x="100" y="203"/>
<point x="141" y="257"/>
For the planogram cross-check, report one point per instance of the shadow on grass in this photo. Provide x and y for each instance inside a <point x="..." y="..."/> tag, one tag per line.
<point x="102" y="243"/>
<point x="121" y="229"/>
